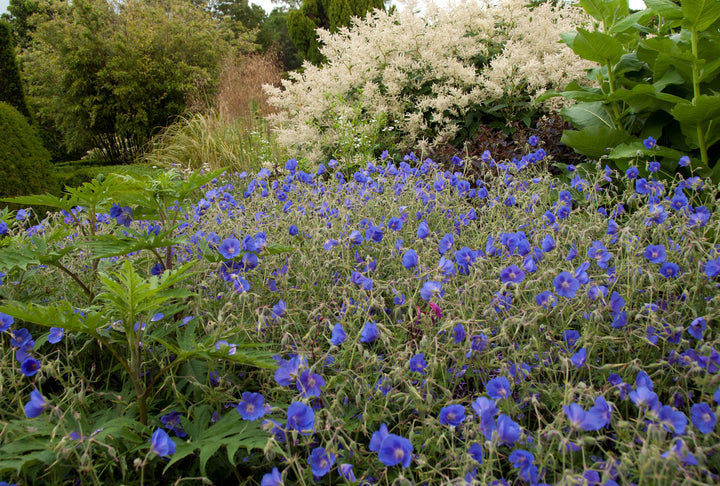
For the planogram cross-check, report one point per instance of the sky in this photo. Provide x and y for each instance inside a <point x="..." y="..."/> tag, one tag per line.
<point x="268" y="6"/>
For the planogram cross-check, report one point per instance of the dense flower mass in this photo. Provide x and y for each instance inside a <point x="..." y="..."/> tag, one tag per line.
<point x="416" y="323"/>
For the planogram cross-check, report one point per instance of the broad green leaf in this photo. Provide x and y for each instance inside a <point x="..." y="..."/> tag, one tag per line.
<point x="42" y="200"/>
<point x="60" y="314"/>
<point x="700" y="14"/>
<point x="636" y="148"/>
<point x="706" y="108"/>
<point x="584" y="115"/>
<point x="631" y="22"/>
<point x="594" y="141"/>
<point x="231" y="432"/>
<point x="665" y="8"/>
<point x="109" y="245"/>
<point x="597" y="46"/>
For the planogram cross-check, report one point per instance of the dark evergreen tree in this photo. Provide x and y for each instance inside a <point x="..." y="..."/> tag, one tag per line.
<point x="328" y="14"/>
<point x="11" y="88"/>
<point x="274" y="35"/>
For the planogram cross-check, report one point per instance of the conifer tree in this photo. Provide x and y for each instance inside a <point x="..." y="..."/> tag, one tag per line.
<point x="11" y="89"/>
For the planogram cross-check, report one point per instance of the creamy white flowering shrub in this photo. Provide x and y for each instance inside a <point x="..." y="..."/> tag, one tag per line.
<point x="399" y="78"/>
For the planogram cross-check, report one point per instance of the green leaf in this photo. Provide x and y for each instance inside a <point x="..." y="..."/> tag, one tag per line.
<point x="584" y="115"/>
<point x="597" y="46"/>
<point x="105" y="246"/>
<point x="231" y="432"/>
<point x="706" y="108"/>
<point x="665" y="8"/>
<point x="60" y="314"/>
<point x="43" y="200"/>
<point x="594" y="141"/>
<point x="700" y="14"/>
<point x="631" y="22"/>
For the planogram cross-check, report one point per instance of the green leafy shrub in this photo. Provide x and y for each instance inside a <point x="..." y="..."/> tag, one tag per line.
<point x="24" y="163"/>
<point x="658" y="77"/>
<point x="394" y="78"/>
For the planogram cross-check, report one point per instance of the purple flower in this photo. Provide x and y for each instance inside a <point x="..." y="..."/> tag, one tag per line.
<point x="410" y="259"/>
<point x="36" y="405"/>
<point x="300" y="417"/>
<point x="378" y="437"/>
<point x="123" y="215"/>
<point x="632" y="173"/>
<point x="252" y="406"/>
<point x="230" y="248"/>
<point x="5" y="322"/>
<point x="395" y="450"/>
<point x="578" y="359"/>
<point x="423" y="230"/>
<point x="347" y="472"/>
<point x="681" y="451"/>
<point x="273" y="478"/>
<point x="533" y="140"/>
<point x="655" y="253"/>
<point x="654" y="166"/>
<point x="418" y="363"/>
<point x="452" y="415"/>
<point x="369" y="332"/>
<point x="548" y="244"/>
<point x="702" y="417"/>
<point x="459" y="333"/>
<point x="445" y="243"/>
<point x="476" y="452"/>
<point x="161" y="443"/>
<point x="498" y="388"/>
<point x="697" y="327"/>
<point x="644" y="398"/>
<point x="338" y="335"/>
<point x="712" y="268"/>
<point x="430" y="289"/>
<point x="30" y="366"/>
<point x="512" y="274"/>
<point x="321" y="461"/>
<point x="566" y="285"/>
<point x="672" y="420"/>
<point x="669" y="269"/>
<point x="172" y="422"/>
<point x="507" y="430"/>
<point x="546" y="299"/>
<point x="310" y="384"/>
<point x="684" y="161"/>
<point x="649" y="142"/>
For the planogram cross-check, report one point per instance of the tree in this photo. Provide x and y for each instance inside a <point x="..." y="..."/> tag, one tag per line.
<point x="109" y="75"/>
<point x="326" y="14"/>
<point x="11" y="89"/>
<point x="274" y="35"/>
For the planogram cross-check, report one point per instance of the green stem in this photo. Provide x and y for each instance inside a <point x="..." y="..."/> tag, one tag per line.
<point x="696" y="95"/>
<point x="90" y="294"/>
<point x="611" y="82"/>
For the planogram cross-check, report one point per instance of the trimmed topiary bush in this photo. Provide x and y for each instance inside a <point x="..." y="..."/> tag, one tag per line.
<point x="24" y="163"/>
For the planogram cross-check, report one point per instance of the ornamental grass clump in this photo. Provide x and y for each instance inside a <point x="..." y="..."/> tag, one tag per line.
<point x="388" y="80"/>
<point x="533" y="335"/>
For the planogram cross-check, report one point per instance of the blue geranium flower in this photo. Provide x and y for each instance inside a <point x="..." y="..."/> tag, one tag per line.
<point x="498" y="388"/>
<point x="512" y="274"/>
<point x="430" y="289"/>
<point x="321" y="461"/>
<point x="423" y="230"/>
<point x="230" y="248"/>
<point x="5" y="322"/>
<point x="410" y="259"/>
<point x="161" y="443"/>
<point x="172" y="422"/>
<point x="697" y="327"/>
<point x="418" y="363"/>
<point x="300" y="417"/>
<point x="369" y="332"/>
<point x="655" y="253"/>
<point x="30" y="366"/>
<point x="566" y="285"/>
<point x="395" y="450"/>
<point x="273" y="478"/>
<point x="36" y="405"/>
<point x="252" y="406"/>
<point x="702" y="417"/>
<point x="452" y="415"/>
<point x="338" y="335"/>
<point x="310" y="384"/>
<point x="507" y="430"/>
